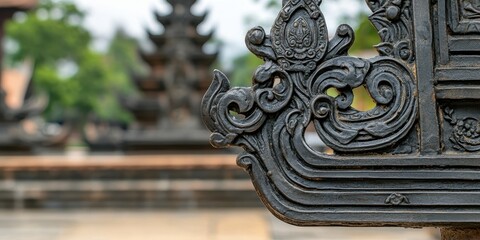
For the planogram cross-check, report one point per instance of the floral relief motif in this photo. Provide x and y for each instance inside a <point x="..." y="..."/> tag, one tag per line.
<point x="466" y="132"/>
<point x="392" y="19"/>
<point x="300" y="34"/>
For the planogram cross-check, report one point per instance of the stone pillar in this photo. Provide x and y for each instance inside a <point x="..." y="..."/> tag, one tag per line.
<point x="460" y="233"/>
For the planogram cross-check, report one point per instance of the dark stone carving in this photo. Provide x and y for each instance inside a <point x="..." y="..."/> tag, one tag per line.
<point x="347" y="130"/>
<point x="397" y="199"/>
<point x="465" y="16"/>
<point x="300" y="36"/>
<point x="395" y="147"/>
<point x="466" y="132"/>
<point x="340" y="126"/>
<point x="167" y="111"/>
<point x="470" y="9"/>
<point x="393" y="19"/>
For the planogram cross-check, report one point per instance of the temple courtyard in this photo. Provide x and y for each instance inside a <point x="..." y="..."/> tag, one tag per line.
<point x="218" y="224"/>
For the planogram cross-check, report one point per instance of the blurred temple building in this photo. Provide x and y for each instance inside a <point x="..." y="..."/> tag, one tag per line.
<point x="168" y="160"/>
<point x="185" y="175"/>
<point x="167" y="113"/>
<point x="22" y="130"/>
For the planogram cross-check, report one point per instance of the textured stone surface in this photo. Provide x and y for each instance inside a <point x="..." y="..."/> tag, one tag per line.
<point x="460" y="234"/>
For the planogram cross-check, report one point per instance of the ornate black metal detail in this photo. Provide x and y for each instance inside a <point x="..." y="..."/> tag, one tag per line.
<point x="287" y="92"/>
<point x="299" y="36"/>
<point x="465" y="16"/>
<point x="393" y="19"/>
<point x="376" y="152"/>
<point x="466" y="132"/>
<point x="269" y="119"/>
<point x="397" y="199"/>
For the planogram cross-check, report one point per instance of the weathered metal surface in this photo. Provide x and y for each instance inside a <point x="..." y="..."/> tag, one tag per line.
<point x="411" y="161"/>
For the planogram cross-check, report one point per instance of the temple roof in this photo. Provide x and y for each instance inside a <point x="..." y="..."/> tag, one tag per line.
<point x="180" y="43"/>
<point x="187" y="18"/>
<point x="186" y="3"/>
<point x="147" y="84"/>
<point x="160" y="39"/>
<point x="141" y="105"/>
<point x="198" y="58"/>
<point x="20" y="4"/>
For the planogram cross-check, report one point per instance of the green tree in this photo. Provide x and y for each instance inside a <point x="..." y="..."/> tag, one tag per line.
<point x="123" y="60"/>
<point x="246" y="63"/>
<point x="366" y="34"/>
<point x="245" y="66"/>
<point x="76" y="78"/>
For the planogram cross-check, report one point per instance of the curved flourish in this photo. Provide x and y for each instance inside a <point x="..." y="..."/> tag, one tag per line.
<point x="229" y="112"/>
<point x="347" y="130"/>
<point x="301" y="65"/>
<point x="271" y="95"/>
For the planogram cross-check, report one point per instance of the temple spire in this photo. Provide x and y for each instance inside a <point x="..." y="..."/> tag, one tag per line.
<point x="168" y="108"/>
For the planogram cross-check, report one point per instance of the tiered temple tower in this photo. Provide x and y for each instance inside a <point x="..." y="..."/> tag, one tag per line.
<point x="167" y="113"/>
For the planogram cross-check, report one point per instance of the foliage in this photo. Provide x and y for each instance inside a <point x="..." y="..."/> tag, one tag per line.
<point x="123" y="58"/>
<point x="245" y="66"/>
<point x="50" y="33"/>
<point x="367" y="35"/>
<point x="123" y="61"/>
<point x="79" y="81"/>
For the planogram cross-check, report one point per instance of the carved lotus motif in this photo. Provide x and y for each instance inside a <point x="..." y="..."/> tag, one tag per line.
<point x="300" y="35"/>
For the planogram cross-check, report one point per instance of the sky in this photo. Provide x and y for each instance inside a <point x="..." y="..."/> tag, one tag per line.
<point x="227" y="17"/>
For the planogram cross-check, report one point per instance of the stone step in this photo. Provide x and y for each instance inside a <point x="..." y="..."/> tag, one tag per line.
<point x="128" y="194"/>
<point x="126" y="173"/>
<point x="125" y="185"/>
<point x="161" y="181"/>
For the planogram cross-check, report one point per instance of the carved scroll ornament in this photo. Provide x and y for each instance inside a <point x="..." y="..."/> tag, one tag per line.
<point x="289" y="93"/>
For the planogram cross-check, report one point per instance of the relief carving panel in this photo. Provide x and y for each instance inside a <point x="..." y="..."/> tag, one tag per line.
<point x="464" y="16"/>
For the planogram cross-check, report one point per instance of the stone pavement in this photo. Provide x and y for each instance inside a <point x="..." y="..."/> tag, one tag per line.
<point x="249" y="224"/>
